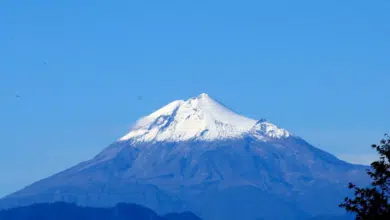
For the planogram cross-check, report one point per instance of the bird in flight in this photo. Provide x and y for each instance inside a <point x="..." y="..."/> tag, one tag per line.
<point x="17" y="95"/>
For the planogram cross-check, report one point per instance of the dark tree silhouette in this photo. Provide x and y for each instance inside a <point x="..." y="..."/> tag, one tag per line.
<point x="372" y="203"/>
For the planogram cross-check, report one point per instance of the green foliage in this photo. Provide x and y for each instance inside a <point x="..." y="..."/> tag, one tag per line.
<point x="372" y="203"/>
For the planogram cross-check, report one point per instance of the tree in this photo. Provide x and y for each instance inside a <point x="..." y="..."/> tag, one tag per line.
<point x="372" y="203"/>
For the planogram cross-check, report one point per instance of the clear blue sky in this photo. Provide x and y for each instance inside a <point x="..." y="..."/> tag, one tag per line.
<point x="321" y="69"/>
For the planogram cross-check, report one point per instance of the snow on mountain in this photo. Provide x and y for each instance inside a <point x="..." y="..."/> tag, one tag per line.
<point x="200" y="118"/>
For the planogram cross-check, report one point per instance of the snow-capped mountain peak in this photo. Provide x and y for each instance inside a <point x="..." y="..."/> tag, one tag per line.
<point x="173" y="160"/>
<point x="201" y="118"/>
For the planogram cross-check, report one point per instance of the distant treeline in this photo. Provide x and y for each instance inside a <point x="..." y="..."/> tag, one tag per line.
<point x="67" y="211"/>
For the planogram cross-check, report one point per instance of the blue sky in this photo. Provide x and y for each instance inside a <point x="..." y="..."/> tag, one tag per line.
<point x="317" y="68"/>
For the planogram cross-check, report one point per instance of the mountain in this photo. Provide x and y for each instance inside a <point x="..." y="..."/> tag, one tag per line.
<point x="198" y="155"/>
<point x="66" y="211"/>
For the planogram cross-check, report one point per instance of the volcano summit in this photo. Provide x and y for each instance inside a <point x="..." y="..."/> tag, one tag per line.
<point x="200" y="118"/>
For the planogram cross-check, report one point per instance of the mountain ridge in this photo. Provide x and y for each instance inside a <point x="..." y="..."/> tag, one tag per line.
<point x="66" y="211"/>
